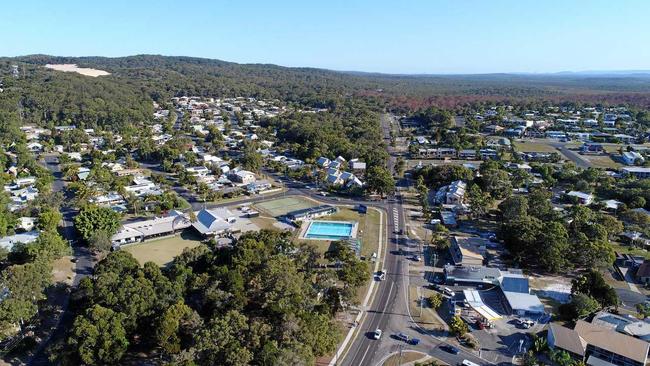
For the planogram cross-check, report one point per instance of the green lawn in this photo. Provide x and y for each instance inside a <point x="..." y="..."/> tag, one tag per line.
<point x="626" y="249"/>
<point x="162" y="251"/>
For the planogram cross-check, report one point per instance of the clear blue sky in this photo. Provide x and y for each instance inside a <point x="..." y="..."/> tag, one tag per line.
<point x="427" y="36"/>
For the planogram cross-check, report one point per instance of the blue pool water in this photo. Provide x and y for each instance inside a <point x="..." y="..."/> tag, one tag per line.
<point x="329" y="230"/>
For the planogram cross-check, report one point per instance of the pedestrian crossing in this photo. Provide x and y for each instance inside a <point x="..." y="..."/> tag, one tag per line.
<point x="396" y="219"/>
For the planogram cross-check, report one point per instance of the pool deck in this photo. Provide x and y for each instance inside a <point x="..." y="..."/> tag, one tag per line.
<point x="305" y="228"/>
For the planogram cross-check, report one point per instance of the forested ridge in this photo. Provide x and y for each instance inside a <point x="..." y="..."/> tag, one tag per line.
<point x="46" y="96"/>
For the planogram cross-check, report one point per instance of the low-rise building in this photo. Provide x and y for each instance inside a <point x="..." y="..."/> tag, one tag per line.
<point x="138" y="231"/>
<point x="597" y="345"/>
<point x="311" y="213"/>
<point x="637" y="171"/>
<point x="632" y="158"/>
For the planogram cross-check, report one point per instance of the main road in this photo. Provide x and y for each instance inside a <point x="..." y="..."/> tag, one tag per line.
<point x="389" y="310"/>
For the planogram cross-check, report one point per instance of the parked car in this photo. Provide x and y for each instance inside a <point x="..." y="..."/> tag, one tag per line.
<point x="402" y="337"/>
<point x="381" y="275"/>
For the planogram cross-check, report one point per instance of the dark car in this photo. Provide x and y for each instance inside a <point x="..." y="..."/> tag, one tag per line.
<point x="451" y="349"/>
<point x="414" y="341"/>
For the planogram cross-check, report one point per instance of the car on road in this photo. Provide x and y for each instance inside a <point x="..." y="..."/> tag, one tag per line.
<point x="381" y="275"/>
<point x="416" y="258"/>
<point x="451" y="349"/>
<point x="377" y="334"/>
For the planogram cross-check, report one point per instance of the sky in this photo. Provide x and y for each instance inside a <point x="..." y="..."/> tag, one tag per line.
<point x="389" y="36"/>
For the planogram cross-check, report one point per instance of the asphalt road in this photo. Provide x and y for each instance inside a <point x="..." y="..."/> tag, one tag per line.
<point x="389" y="310"/>
<point x="578" y="160"/>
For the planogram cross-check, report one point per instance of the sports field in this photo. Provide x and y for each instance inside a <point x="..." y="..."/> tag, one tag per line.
<point x="282" y="206"/>
<point x="161" y="251"/>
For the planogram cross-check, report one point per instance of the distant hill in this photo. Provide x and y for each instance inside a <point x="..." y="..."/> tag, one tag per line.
<point x="45" y="95"/>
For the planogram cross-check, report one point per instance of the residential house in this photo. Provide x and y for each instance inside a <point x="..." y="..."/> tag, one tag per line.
<point x="453" y="194"/>
<point x="632" y="158"/>
<point x="583" y="198"/>
<point x="8" y="242"/>
<point x="242" y="177"/>
<point x="597" y="345"/>
<point x="639" y="172"/>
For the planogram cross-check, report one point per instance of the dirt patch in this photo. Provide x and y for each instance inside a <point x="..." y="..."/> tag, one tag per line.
<point x="63" y="270"/>
<point x="79" y="70"/>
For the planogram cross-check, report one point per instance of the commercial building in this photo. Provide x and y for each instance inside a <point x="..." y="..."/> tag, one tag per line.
<point x="139" y="231"/>
<point x="214" y="222"/>
<point x="311" y="213"/>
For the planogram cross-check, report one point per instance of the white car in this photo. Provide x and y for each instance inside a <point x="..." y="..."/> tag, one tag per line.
<point x="377" y="334"/>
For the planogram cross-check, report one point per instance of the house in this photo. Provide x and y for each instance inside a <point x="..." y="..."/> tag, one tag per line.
<point x="638" y="172"/>
<point x="311" y="213"/>
<point x="323" y="162"/>
<point x="138" y="231"/>
<point x="488" y="154"/>
<point x="448" y="218"/>
<point x="582" y="197"/>
<point x="214" y="222"/>
<point x="625" y="324"/>
<point x="26" y="223"/>
<point x="357" y="166"/>
<point x="598" y="345"/>
<point x="35" y="147"/>
<point x="243" y="177"/>
<point x="468" y="251"/>
<point x="632" y="158"/>
<point x="591" y="148"/>
<point x="8" y="242"/>
<point x="643" y="273"/>
<point x="197" y="171"/>
<point x="467" y="154"/>
<point x="142" y="187"/>
<point x="453" y="194"/>
<point x="257" y="187"/>
<point x="83" y="173"/>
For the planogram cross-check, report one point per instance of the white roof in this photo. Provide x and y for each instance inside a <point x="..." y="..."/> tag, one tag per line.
<point x="8" y="242"/>
<point x="213" y="221"/>
<point x="475" y="302"/>
<point x="524" y="302"/>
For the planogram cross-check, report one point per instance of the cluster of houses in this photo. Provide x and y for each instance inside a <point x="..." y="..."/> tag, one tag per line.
<point x="336" y="174"/>
<point x="21" y="191"/>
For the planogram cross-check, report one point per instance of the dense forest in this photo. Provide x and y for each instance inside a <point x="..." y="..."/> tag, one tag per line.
<point x="260" y="302"/>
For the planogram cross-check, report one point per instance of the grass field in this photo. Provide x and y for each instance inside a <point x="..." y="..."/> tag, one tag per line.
<point x="602" y="161"/>
<point x="162" y="251"/>
<point x="534" y="146"/>
<point x="627" y="249"/>
<point x="282" y="206"/>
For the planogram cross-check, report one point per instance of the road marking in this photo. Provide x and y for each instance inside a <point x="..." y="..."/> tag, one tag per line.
<point x="364" y="355"/>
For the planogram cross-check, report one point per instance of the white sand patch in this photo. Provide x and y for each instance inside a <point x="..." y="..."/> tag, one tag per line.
<point x="75" y="68"/>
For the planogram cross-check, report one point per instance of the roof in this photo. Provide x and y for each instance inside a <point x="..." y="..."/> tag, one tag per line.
<point x="8" y="242"/>
<point x="212" y="221"/>
<point x="524" y="302"/>
<point x="612" y="341"/>
<point x="473" y="273"/>
<point x="595" y="361"/>
<point x="567" y="339"/>
<point x="644" y="270"/>
<point x="310" y="210"/>
<point x="636" y="169"/>
<point x="474" y="300"/>
<point x="582" y="195"/>
<point x="515" y="283"/>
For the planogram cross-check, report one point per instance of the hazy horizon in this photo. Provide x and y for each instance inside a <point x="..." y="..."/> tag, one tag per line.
<point x="416" y="37"/>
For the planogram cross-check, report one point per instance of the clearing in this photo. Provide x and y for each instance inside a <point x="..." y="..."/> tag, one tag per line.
<point x="162" y="251"/>
<point x="534" y="146"/>
<point x="79" y="70"/>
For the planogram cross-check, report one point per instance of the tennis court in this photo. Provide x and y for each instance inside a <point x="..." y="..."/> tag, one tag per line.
<point x="282" y="206"/>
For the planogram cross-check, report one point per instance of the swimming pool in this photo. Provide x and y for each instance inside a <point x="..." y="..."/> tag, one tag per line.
<point x="330" y="230"/>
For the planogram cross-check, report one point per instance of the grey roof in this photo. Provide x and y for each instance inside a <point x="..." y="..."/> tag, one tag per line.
<point x="212" y="221"/>
<point x="515" y="283"/>
<point x="473" y="274"/>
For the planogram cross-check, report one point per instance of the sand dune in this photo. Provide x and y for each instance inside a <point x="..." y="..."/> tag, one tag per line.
<point x="75" y="68"/>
